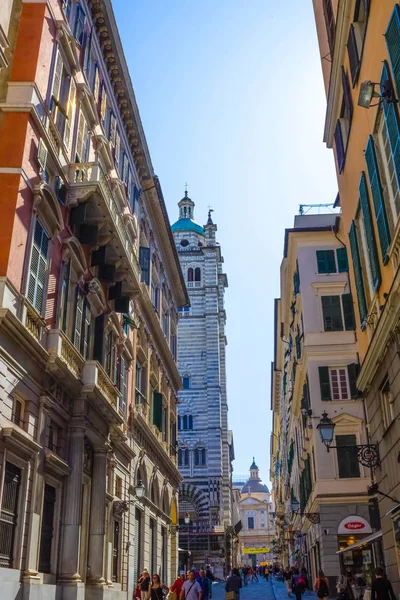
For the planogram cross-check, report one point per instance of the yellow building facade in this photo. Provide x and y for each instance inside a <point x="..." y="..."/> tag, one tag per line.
<point x="359" y="42"/>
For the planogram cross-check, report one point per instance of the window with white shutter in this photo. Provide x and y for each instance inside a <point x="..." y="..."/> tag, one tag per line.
<point x="122" y="384"/>
<point x="38" y="267"/>
<point x="82" y="139"/>
<point x="56" y="87"/>
<point x="70" y="113"/>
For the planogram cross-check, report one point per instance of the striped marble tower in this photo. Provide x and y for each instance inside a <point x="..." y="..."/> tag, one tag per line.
<point x="205" y="447"/>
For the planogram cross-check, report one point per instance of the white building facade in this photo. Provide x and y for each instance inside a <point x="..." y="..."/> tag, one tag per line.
<point x="205" y="444"/>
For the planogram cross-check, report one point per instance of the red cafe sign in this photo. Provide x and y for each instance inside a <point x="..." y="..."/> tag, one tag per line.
<point x="354" y="524"/>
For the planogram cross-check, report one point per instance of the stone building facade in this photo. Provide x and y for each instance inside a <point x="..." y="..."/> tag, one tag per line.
<point x="88" y="375"/>
<point x="257" y="514"/>
<point x="358" y="43"/>
<point x="315" y="370"/>
<point x="205" y="443"/>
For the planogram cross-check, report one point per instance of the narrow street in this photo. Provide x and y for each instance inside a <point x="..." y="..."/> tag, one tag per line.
<point x="263" y="590"/>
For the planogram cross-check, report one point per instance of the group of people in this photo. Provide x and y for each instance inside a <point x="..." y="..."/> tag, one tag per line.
<point x="193" y="585"/>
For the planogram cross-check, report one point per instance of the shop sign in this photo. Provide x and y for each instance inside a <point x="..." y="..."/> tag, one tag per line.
<point x="255" y="550"/>
<point x="354" y="524"/>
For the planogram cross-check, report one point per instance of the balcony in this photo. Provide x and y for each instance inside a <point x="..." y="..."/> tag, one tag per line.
<point x="141" y="404"/>
<point x="107" y="211"/>
<point x="101" y="391"/>
<point x="64" y="358"/>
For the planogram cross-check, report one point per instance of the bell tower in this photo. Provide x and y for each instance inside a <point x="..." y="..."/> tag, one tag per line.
<point x="186" y="207"/>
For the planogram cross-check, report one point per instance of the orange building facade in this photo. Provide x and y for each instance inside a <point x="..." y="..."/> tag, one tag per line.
<point x="359" y="43"/>
<point x="90" y="285"/>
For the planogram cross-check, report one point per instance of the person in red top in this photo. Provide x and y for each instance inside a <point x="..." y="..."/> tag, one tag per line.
<point x="177" y="585"/>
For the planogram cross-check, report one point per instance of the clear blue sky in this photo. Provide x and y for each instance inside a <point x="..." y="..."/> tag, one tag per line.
<point x="231" y="98"/>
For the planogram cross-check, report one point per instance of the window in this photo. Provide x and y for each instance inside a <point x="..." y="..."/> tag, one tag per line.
<point x="367" y="236"/>
<point x="183" y="311"/>
<point x="197" y="274"/>
<point x="164" y="424"/>
<point x="326" y="261"/>
<point x="392" y="36"/>
<point x="387" y="403"/>
<point x="174" y="345"/>
<point x="389" y="144"/>
<point x="17" y="416"/>
<point x="79" y="28"/>
<point x="186" y="382"/>
<point x="118" y="486"/>
<point x="116" y="551"/>
<point x="165" y="322"/>
<point x="155" y="295"/>
<point x="185" y="422"/>
<point x="183" y="457"/>
<point x="355" y="41"/>
<point x="157" y="410"/>
<point x="9" y="514"/>
<point x="343" y="125"/>
<point x="111" y="361"/>
<point x="82" y="324"/>
<point x="54" y="435"/>
<point x="250" y="522"/>
<point x="66" y="274"/>
<point x="336" y="310"/>
<point x="330" y="25"/>
<point x="377" y="199"/>
<point x="338" y="383"/>
<point x="200" y="457"/>
<point x="347" y="457"/>
<point x="46" y="534"/>
<point x="38" y="267"/>
<point x="296" y="282"/>
<point x="358" y="275"/>
<point x="62" y="101"/>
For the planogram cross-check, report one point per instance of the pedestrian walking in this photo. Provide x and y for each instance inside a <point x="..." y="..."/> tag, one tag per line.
<point x="233" y="586"/>
<point x="176" y="587"/>
<point x="287" y="576"/>
<point x="321" y="585"/>
<point x="205" y="586"/>
<point x="144" y="584"/>
<point x="298" y="584"/>
<point x="266" y="573"/>
<point x="191" y="589"/>
<point x="156" y="588"/>
<point x="381" y="588"/>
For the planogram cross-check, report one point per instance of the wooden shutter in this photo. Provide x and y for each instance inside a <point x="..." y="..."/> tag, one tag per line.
<point x="353" y="371"/>
<point x="330" y="24"/>
<point x="348" y="100"/>
<point x="70" y="112"/>
<point x="79" y="24"/>
<point x="38" y="267"/>
<point x="157" y="410"/>
<point x="46" y="535"/>
<point x="326" y="261"/>
<point x="78" y="320"/>
<point x="354" y="58"/>
<point x="377" y="199"/>
<point x="87" y="54"/>
<point x="324" y="383"/>
<point x="392" y="36"/>
<point x="358" y="277"/>
<point x="348" y="312"/>
<point x="86" y="329"/>
<point x="113" y="127"/>
<point x="81" y="138"/>
<point x="65" y="294"/>
<point x="58" y="69"/>
<point x="98" y="342"/>
<point x="144" y="261"/>
<point x="390" y="111"/>
<point x="340" y="154"/>
<point x="123" y="384"/>
<point x="9" y="514"/>
<point x="347" y="457"/>
<point x="117" y="149"/>
<point x="103" y="102"/>
<point x="369" y="232"/>
<point x="42" y="154"/>
<point x="343" y="264"/>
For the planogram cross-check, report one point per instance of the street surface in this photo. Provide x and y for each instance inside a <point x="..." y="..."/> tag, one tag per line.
<point x="262" y="590"/>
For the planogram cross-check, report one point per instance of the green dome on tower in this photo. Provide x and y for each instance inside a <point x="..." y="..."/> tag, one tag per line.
<point x="186" y="214"/>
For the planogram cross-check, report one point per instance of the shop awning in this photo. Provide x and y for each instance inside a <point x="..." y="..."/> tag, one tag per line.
<point x="365" y="540"/>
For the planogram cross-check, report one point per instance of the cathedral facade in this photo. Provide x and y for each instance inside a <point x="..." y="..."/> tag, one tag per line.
<point x="205" y="443"/>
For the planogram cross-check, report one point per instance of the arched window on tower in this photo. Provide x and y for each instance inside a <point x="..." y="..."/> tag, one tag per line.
<point x="186" y="457"/>
<point x="179" y="423"/>
<point x="199" y="457"/>
<point x="190" y="274"/>
<point x="197" y="274"/>
<point x="179" y="457"/>
<point x="203" y="456"/>
<point x="185" y="422"/>
<point x="190" y="422"/>
<point x="196" y="457"/>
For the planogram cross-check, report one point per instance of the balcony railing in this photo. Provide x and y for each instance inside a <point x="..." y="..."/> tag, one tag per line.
<point x="141" y="404"/>
<point x="62" y="349"/>
<point x="96" y="380"/>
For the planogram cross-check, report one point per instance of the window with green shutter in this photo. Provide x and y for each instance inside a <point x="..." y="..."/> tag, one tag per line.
<point x="358" y="277"/>
<point x="353" y="370"/>
<point x="348" y="312"/>
<point x="377" y="199"/>
<point x="392" y="36"/>
<point x="324" y="383"/>
<point x="157" y="410"/>
<point x="326" y="261"/>
<point x="369" y="232"/>
<point x="296" y="282"/>
<point x="390" y="111"/>
<point x="81" y="337"/>
<point x="38" y="267"/>
<point x="332" y="313"/>
<point x="343" y="265"/>
<point x="347" y="457"/>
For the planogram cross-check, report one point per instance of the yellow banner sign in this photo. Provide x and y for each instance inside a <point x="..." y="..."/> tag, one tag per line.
<point x="255" y="550"/>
